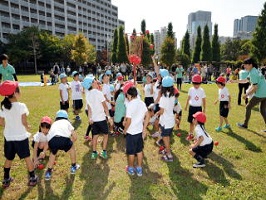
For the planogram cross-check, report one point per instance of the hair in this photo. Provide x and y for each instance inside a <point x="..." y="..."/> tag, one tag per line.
<point x="251" y="61"/>
<point x="4" y="57"/>
<point x="6" y="102"/>
<point x="177" y="95"/>
<point x="222" y="84"/>
<point x="166" y="90"/>
<point x="59" y="118"/>
<point x="132" y="91"/>
<point x="203" y="128"/>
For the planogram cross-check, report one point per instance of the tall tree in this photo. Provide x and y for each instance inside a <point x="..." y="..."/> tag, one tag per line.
<point x="186" y="45"/>
<point x="143" y="26"/>
<point x="230" y="50"/>
<point x="259" y="37"/>
<point x="114" y="47"/>
<point x="121" y="50"/>
<point x="127" y="44"/>
<point x="146" y="52"/>
<point x="67" y="45"/>
<point x="168" y="51"/>
<point x="170" y="32"/>
<point x="216" y="53"/>
<point x="206" y="54"/>
<point x="197" y="50"/>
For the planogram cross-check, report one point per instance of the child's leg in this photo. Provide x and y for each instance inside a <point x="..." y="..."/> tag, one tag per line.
<point x="94" y="142"/>
<point x="105" y="140"/>
<point x="191" y="128"/>
<point x="166" y="141"/>
<point x="226" y="120"/>
<point x="131" y="160"/>
<point x="221" y="121"/>
<point x="51" y="161"/>
<point x="7" y="167"/>
<point x="72" y="153"/>
<point x="140" y="158"/>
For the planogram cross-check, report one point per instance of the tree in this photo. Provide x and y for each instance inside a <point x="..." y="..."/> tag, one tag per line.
<point x="230" y="49"/>
<point x="146" y="52"/>
<point x="186" y="45"/>
<point x="170" y="32"/>
<point x="168" y="51"/>
<point x="114" y="47"/>
<point x="143" y="27"/>
<point x="127" y="43"/>
<point x="216" y="54"/>
<point x="259" y="37"/>
<point x="206" y="54"/>
<point x="182" y="59"/>
<point x="67" y="45"/>
<point x="121" y="50"/>
<point x="197" y="50"/>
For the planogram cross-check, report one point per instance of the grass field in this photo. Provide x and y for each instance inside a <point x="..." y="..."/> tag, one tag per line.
<point x="235" y="170"/>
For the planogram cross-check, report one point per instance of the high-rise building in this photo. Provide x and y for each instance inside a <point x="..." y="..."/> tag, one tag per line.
<point x="196" y="19"/>
<point x="245" y="26"/>
<point x="95" y="19"/>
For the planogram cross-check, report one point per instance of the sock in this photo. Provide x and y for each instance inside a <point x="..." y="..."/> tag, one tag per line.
<point x="199" y="158"/>
<point x="73" y="164"/>
<point x="6" y="173"/>
<point x="49" y="169"/>
<point x="94" y="151"/>
<point x="32" y="173"/>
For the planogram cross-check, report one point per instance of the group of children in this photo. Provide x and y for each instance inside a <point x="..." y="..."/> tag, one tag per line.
<point x="121" y="112"/>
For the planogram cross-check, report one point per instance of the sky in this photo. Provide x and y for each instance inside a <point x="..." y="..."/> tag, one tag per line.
<point x="159" y="13"/>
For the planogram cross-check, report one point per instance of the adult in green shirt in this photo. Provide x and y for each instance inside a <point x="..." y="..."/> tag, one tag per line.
<point x="257" y="91"/>
<point x="7" y="71"/>
<point x="179" y="76"/>
<point x="243" y="74"/>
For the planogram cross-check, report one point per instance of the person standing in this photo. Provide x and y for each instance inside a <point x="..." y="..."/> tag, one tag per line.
<point x="7" y="71"/>
<point x="243" y="74"/>
<point x="179" y="76"/>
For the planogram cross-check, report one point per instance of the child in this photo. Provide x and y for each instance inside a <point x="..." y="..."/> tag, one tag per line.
<point x="40" y="142"/>
<point x="61" y="137"/>
<point x="64" y="92"/>
<point x="76" y="94"/>
<point x="119" y="82"/>
<point x="196" y="101"/>
<point x="225" y="99"/>
<point x="13" y="116"/>
<point x="167" y="118"/>
<point x="203" y="144"/>
<point x="135" y="130"/>
<point x="148" y="90"/>
<point x="7" y="71"/>
<point x="98" y="112"/>
<point x="177" y="109"/>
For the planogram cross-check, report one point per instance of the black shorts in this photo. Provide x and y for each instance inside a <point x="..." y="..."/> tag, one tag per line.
<point x="11" y="148"/>
<point x="148" y="101"/>
<point x="192" y="111"/>
<point x="64" y="106"/>
<point x="38" y="149"/>
<point x="156" y="108"/>
<point x="179" y="81"/>
<point x="203" y="151"/>
<point x="111" y="113"/>
<point x="100" y="127"/>
<point x="224" y="108"/>
<point x="134" y="144"/>
<point x="119" y="124"/>
<point x="77" y="104"/>
<point x="60" y="143"/>
<point x="166" y="132"/>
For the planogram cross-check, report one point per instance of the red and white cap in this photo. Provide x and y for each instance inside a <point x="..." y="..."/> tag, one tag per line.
<point x="196" y="78"/>
<point x="8" y="88"/>
<point x="46" y="119"/>
<point x="200" y="117"/>
<point x="221" y="79"/>
<point x="127" y="85"/>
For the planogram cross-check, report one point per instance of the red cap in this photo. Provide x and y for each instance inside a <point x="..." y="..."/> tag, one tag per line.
<point x="221" y="79"/>
<point x="46" y="119"/>
<point x="176" y="91"/>
<point x="200" y="117"/>
<point x="196" y="79"/>
<point x="127" y="85"/>
<point x="120" y="78"/>
<point x="8" y="88"/>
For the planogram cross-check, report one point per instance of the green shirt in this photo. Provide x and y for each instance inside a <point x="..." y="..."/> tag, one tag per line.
<point x="120" y="108"/>
<point x="256" y="78"/>
<point x="7" y="72"/>
<point x="243" y="74"/>
<point x="179" y="72"/>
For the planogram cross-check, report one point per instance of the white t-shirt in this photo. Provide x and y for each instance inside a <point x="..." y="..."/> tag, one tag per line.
<point x="64" y="88"/>
<point x="167" y="119"/>
<point x="106" y="91"/>
<point x="196" y="96"/>
<point x="61" y="128"/>
<point x="178" y="108"/>
<point x="136" y="110"/>
<point x="40" y="137"/>
<point x="94" y="99"/>
<point x="76" y="88"/>
<point x="117" y="86"/>
<point x="14" y="129"/>
<point x="147" y="90"/>
<point x="224" y="94"/>
<point x="206" y="138"/>
<point x="156" y="91"/>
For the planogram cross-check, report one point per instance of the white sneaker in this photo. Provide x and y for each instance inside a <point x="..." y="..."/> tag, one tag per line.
<point x="198" y="165"/>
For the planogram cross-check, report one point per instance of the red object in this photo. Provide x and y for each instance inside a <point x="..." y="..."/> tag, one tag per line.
<point x="196" y="79"/>
<point x="216" y="143"/>
<point x="54" y="162"/>
<point x="176" y="91"/>
<point x="46" y="119"/>
<point x="41" y="166"/>
<point x="200" y="117"/>
<point x="134" y="59"/>
<point x="151" y="46"/>
<point x="8" y="88"/>
<point x="178" y="134"/>
<point x="147" y="32"/>
<point x="127" y="85"/>
<point x="221" y="79"/>
<point x="120" y="78"/>
<point x="161" y="148"/>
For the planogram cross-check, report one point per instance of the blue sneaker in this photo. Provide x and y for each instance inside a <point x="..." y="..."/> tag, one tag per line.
<point x="227" y="126"/>
<point x="73" y="169"/>
<point x="130" y="171"/>
<point x="139" y="171"/>
<point x="78" y="118"/>
<point x="48" y="175"/>
<point x="218" y="129"/>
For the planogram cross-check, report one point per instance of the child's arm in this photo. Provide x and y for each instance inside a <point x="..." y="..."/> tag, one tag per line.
<point x="158" y="98"/>
<point x="156" y="67"/>
<point x="107" y="113"/>
<point x="89" y="114"/>
<point x="2" y="121"/>
<point x="160" y="112"/>
<point x="43" y="153"/>
<point x="24" y="121"/>
<point x="127" y="124"/>
<point x="61" y="96"/>
<point x="203" y="105"/>
<point x="73" y="136"/>
<point x="35" y="157"/>
<point x="198" y="142"/>
<point x="187" y="103"/>
<point x="146" y="122"/>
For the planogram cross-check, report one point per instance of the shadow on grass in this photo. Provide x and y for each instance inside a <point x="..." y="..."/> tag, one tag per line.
<point x="25" y="194"/>
<point x="39" y="185"/>
<point x="69" y="186"/>
<point x="256" y="133"/>
<point x="249" y="145"/>
<point x="183" y="136"/>
<point x="49" y="192"/>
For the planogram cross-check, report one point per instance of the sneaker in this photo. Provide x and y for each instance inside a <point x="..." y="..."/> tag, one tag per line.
<point x="156" y="134"/>
<point x="87" y="138"/>
<point x="218" y="129"/>
<point x="190" y="137"/>
<point x="73" y="169"/>
<point x="139" y="171"/>
<point x="104" y="155"/>
<point x="33" y="181"/>
<point x="48" y="175"/>
<point x="227" y="126"/>
<point x="198" y="165"/>
<point x="94" y="155"/>
<point x="6" y="182"/>
<point x="78" y="118"/>
<point x="130" y="171"/>
<point x="159" y="142"/>
<point x="168" y="158"/>
<point x="242" y="125"/>
<point x="120" y="130"/>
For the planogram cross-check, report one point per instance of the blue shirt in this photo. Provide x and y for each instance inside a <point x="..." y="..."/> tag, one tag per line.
<point x="256" y="78"/>
<point x="243" y="74"/>
<point x="7" y="72"/>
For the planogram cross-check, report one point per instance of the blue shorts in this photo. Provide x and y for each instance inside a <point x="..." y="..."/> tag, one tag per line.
<point x="100" y="127"/>
<point x="166" y="132"/>
<point x="134" y="144"/>
<point x="11" y="148"/>
<point x="60" y="143"/>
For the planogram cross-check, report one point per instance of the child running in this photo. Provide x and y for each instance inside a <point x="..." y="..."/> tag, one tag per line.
<point x="148" y="90"/>
<point x="196" y="101"/>
<point x="40" y="141"/>
<point x="61" y="137"/>
<point x="64" y="92"/>
<point x="203" y="144"/>
<point x="13" y="116"/>
<point x="76" y="89"/>
<point x="225" y="99"/>
<point x="135" y="130"/>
